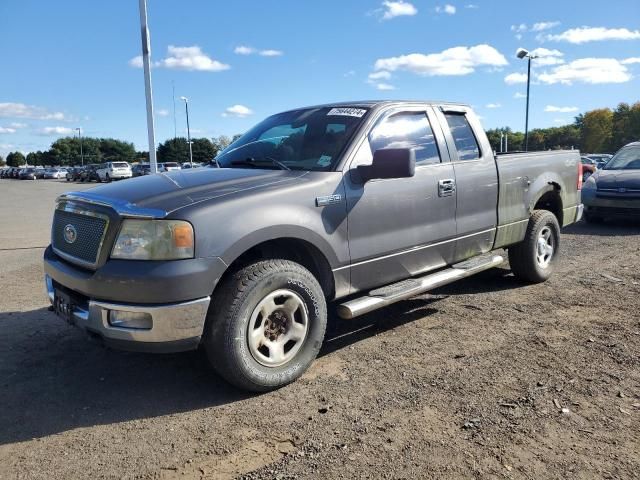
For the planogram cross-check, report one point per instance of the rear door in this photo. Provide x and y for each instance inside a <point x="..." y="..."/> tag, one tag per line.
<point x="406" y="226"/>
<point x="476" y="180"/>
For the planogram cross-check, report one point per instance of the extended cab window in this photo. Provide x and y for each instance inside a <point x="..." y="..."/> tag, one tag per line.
<point x="463" y="136"/>
<point x="407" y="130"/>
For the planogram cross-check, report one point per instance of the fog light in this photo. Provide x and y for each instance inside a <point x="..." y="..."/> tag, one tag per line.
<point x="133" y="320"/>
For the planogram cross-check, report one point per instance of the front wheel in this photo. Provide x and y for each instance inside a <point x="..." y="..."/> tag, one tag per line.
<point x="265" y="325"/>
<point x="533" y="260"/>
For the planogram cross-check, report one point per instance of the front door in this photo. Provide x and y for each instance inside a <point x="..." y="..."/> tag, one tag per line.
<point x="401" y="227"/>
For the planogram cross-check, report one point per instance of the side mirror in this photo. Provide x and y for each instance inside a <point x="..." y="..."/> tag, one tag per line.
<point x="390" y="163"/>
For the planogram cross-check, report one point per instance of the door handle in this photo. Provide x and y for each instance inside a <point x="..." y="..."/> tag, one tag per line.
<point x="446" y="187"/>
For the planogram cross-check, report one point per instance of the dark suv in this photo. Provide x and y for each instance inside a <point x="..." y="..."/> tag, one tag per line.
<point x="89" y="174"/>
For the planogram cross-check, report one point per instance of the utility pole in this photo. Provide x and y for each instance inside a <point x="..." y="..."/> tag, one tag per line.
<point x="146" y="64"/>
<point x="81" y="154"/>
<point x="186" y="108"/>
<point x="522" y="53"/>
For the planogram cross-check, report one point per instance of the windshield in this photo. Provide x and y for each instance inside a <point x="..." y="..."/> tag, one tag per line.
<point x="627" y="158"/>
<point x="308" y="139"/>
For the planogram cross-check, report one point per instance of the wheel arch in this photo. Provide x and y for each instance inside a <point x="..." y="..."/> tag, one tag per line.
<point x="549" y="198"/>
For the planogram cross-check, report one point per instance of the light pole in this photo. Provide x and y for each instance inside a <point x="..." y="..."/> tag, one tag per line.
<point x="522" y="53"/>
<point x="81" y="154"/>
<point x="146" y="64"/>
<point x="186" y="109"/>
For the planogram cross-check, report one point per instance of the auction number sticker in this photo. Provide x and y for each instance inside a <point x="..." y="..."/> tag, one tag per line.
<point x="347" y="112"/>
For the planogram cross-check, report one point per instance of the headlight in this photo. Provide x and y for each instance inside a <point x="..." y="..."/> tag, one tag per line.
<point x="154" y="240"/>
<point x="590" y="184"/>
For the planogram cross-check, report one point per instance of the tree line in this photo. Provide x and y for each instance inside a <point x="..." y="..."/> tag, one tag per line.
<point x="597" y="131"/>
<point x="68" y="151"/>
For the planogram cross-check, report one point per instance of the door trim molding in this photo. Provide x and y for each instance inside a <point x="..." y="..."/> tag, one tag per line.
<point x="413" y="249"/>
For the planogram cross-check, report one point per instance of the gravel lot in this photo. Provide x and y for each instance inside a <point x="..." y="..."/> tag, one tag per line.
<point x="486" y="378"/>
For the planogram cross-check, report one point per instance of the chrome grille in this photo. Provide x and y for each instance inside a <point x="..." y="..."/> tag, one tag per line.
<point x="89" y="230"/>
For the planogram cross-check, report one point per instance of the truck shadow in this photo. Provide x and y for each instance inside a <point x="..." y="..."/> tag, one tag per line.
<point x="53" y="379"/>
<point x="609" y="228"/>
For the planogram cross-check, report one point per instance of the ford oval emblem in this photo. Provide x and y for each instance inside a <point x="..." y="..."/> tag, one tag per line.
<point x="622" y="190"/>
<point x="70" y="233"/>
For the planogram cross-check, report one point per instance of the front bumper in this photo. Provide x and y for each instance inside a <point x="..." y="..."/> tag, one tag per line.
<point x="175" y="327"/>
<point x="610" y="205"/>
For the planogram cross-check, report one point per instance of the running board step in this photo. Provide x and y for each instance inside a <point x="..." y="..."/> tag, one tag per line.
<point x="405" y="289"/>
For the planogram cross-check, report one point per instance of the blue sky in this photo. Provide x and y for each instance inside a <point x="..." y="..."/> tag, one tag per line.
<point x="72" y="63"/>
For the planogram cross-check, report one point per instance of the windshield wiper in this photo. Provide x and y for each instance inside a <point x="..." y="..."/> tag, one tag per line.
<point x="254" y="163"/>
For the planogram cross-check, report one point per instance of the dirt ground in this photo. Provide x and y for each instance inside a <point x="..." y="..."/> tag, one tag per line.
<point x="487" y="378"/>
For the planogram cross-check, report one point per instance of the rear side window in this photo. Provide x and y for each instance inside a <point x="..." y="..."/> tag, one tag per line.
<point x="407" y="130"/>
<point x="463" y="136"/>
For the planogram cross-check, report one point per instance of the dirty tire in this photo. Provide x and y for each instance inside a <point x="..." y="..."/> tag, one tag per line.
<point x="226" y="339"/>
<point x="523" y="257"/>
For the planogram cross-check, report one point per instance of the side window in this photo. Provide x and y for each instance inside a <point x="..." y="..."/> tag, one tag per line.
<point x="407" y="130"/>
<point x="463" y="136"/>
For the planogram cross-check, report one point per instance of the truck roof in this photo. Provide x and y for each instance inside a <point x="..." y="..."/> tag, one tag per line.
<point x="379" y="103"/>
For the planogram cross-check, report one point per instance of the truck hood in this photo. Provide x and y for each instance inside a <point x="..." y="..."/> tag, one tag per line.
<point x="160" y="194"/>
<point x="614" y="179"/>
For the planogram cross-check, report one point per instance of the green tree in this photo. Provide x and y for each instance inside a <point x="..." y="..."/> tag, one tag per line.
<point x="112" y="150"/>
<point x="174" y="150"/>
<point x="2" y="162"/>
<point x="203" y="150"/>
<point x="15" y="159"/>
<point x="597" y="128"/>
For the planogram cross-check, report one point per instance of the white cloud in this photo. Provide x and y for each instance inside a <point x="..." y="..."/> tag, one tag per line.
<point x="20" y="110"/>
<point x="190" y="58"/>
<point x="587" y="70"/>
<point x="453" y="61"/>
<point x="398" y="8"/>
<point x="519" y="95"/>
<point x="553" y="108"/>
<point x="514" y="78"/>
<point x="630" y="61"/>
<point x="493" y="105"/>
<point x="471" y="6"/>
<point x="185" y="58"/>
<point x="519" y="28"/>
<point x="384" y="86"/>
<point x="381" y="75"/>
<point x="55" y="131"/>
<point x="271" y="53"/>
<point x="7" y="130"/>
<point x="239" y="111"/>
<point x="593" y="34"/>
<point x="448" y="9"/>
<point x="136" y="62"/>
<point x="18" y="125"/>
<point x="162" y="112"/>
<point x="547" y="57"/>
<point x="244" y="50"/>
<point x="540" y="26"/>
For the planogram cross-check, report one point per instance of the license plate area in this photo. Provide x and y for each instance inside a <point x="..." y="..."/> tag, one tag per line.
<point x="63" y="306"/>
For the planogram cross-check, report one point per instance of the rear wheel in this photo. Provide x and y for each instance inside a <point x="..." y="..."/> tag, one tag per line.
<point x="265" y="325"/>
<point x="533" y="260"/>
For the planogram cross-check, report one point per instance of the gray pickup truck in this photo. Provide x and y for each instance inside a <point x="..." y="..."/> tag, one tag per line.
<point x="358" y="204"/>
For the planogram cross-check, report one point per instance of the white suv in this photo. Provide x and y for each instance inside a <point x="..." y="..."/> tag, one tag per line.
<point x="113" y="171"/>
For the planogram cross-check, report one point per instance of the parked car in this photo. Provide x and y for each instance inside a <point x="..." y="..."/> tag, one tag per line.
<point x="141" y="169"/>
<point x="74" y="174"/>
<point x="169" y="166"/>
<point x="361" y="204"/>
<point x="113" y="171"/>
<point x="29" y="173"/>
<point x="588" y="167"/>
<point x="188" y="165"/>
<point x="55" y="173"/>
<point x="15" y="172"/>
<point x="614" y="191"/>
<point x="89" y="173"/>
<point x="601" y="159"/>
<point x="3" y="172"/>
